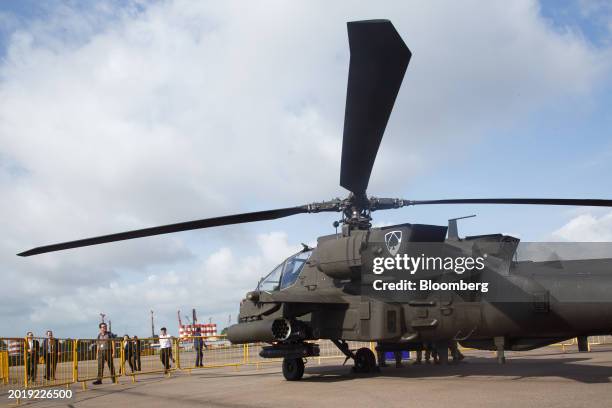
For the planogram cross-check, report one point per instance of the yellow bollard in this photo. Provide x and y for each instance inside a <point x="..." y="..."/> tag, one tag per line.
<point x="25" y="363"/>
<point x="75" y="360"/>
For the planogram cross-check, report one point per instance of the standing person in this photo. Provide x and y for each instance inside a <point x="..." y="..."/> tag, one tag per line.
<point x="105" y="352"/>
<point x="128" y="352"/>
<point x="431" y="353"/>
<point x="33" y="350"/>
<point x="51" y="354"/>
<point x="382" y="357"/>
<point x="198" y="343"/>
<point x="165" y="349"/>
<point x="419" y="355"/>
<point x="137" y="349"/>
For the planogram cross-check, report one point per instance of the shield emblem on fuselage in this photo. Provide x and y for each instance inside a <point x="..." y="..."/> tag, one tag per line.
<point x="393" y="240"/>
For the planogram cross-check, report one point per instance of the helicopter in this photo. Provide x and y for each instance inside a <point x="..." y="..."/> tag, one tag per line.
<point x="332" y="291"/>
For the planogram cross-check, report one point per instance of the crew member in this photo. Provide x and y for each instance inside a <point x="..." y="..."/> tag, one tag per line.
<point x="382" y="360"/>
<point x="431" y="353"/>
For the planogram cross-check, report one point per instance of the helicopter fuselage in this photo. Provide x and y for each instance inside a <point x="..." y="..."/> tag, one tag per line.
<point x="527" y="304"/>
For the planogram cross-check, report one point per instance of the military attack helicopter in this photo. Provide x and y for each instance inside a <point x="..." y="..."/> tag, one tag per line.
<point x="326" y="292"/>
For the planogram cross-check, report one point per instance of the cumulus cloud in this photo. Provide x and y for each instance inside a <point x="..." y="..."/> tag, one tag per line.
<point x="120" y="118"/>
<point x="586" y="228"/>
<point x="214" y="285"/>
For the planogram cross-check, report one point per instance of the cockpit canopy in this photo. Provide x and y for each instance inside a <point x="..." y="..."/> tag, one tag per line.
<point x="285" y="274"/>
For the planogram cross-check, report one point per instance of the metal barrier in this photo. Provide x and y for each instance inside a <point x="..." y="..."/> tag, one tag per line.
<point x="592" y="341"/>
<point x="40" y="362"/>
<point x="4" y="366"/>
<point x="208" y="352"/>
<point x="49" y="361"/>
<point x="145" y="357"/>
<point x="96" y="360"/>
<point x="36" y="362"/>
<point x="216" y="351"/>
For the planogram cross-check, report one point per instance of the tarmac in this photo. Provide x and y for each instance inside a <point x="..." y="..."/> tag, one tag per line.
<point x="547" y="377"/>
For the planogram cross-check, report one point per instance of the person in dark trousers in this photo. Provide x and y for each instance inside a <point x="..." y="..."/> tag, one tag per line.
<point x="33" y="351"/>
<point x="51" y="353"/>
<point x="165" y="349"/>
<point x="382" y="358"/>
<point x="419" y="355"/>
<point x="137" y="349"/>
<point x="198" y="343"/>
<point x="128" y="352"/>
<point x="105" y="352"/>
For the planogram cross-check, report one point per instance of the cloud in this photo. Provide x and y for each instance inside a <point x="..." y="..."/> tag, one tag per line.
<point x="586" y="228"/>
<point x="120" y="118"/>
<point x="214" y="287"/>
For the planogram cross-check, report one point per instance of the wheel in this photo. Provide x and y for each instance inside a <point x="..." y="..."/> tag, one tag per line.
<point x="293" y="369"/>
<point x="365" y="361"/>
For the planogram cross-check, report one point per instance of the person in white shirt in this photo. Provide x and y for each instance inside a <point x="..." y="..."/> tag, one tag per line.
<point x="165" y="349"/>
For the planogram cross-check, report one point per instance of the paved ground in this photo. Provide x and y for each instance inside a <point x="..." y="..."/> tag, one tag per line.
<point x="542" y="378"/>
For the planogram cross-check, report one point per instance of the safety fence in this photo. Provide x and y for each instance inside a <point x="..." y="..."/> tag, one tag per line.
<point x="593" y="341"/>
<point x="42" y="362"/>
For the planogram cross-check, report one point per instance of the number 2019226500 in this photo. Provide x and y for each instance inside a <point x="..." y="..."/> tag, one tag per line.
<point x="41" y="393"/>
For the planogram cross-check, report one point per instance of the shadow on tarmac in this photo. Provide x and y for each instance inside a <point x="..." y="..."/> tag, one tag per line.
<point x="579" y="369"/>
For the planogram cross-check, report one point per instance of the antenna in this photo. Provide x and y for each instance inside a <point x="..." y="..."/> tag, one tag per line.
<point x="152" y="325"/>
<point x="102" y="315"/>
<point x="453" y="232"/>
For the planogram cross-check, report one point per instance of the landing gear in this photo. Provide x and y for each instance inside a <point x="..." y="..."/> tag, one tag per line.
<point x="500" y="346"/>
<point x="583" y="344"/>
<point x="365" y="361"/>
<point x="293" y="369"/>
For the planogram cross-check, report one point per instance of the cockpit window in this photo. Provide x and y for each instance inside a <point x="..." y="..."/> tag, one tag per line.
<point x="285" y="274"/>
<point x="293" y="267"/>
<point x="272" y="281"/>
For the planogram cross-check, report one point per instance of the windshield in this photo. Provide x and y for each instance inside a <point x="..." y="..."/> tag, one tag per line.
<point x="285" y="274"/>
<point x="293" y="267"/>
<point x="272" y="281"/>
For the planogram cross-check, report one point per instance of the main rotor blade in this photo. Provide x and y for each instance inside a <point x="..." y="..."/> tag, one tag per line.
<point x="379" y="59"/>
<point x="166" y="229"/>
<point x="538" y="201"/>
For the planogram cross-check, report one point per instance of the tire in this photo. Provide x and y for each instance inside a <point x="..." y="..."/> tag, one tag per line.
<point x="365" y="361"/>
<point x="293" y="369"/>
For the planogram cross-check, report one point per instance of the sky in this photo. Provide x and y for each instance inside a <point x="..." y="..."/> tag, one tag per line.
<point x="116" y="115"/>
